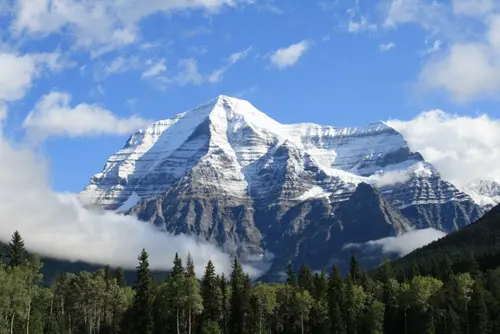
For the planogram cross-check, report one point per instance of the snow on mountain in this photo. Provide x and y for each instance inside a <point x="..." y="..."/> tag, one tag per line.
<point x="485" y="193"/>
<point x="230" y="148"/>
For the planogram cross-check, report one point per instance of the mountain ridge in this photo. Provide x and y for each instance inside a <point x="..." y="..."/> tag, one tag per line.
<point x="230" y="174"/>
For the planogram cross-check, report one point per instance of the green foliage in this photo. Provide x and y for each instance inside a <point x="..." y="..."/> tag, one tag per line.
<point x="448" y="302"/>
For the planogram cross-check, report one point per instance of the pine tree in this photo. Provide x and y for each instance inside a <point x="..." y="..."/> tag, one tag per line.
<point x="120" y="277"/>
<point x="143" y="302"/>
<point x="306" y="279"/>
<point x="238" y="309"/>
<point x="336" y="302"/>
<point x="446" y="272"/>
<point x="225" y="304"/>
<point x="477" y="310"/>
<point x="355" y="270"/>
<point x="211" y="295"/>
<point x="291" y="279"/>
<point x="190" y="266"/>
<point x="16" y="252"/>
<point x="177" y="294"/>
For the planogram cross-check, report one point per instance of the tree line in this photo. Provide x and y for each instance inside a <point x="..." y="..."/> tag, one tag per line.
<point x="307" y="302"/>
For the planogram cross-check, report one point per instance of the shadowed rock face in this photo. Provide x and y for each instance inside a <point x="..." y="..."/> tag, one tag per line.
<point x="231" y="175"/>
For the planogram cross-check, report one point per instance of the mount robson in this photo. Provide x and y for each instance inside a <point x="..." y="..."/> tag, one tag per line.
<point x="227" y="173"/>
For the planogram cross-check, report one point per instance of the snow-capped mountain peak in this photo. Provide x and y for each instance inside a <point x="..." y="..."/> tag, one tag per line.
<point x="227" y="147"/>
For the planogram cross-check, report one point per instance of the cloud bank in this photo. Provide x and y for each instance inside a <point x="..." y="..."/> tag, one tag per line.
<point x="464" y="149"/>
<point x="56" y="225"/>
<point x="401" y="245"/>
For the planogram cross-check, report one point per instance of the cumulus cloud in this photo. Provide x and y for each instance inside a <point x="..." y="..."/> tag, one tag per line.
<point x="56" y="224"/>
<point x="468" y="68"/>
<point x="17" y="72"/>
<point x="463" y="148"/>
<point x="403" y="244"/>
<point x="103" y="24"/>
<point x="289" y="56"/>
<point x="53" y="116"/>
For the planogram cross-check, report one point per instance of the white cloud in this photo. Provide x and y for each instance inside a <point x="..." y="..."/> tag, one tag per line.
<point x="217" y="75"/>
<point x="53" y="116"/>
<point x="404" y="244"/>
<point x="361" y="25"/>
<point x="387" y="47"/>
<point x="389" y="178"/>
<point x="109" y="24"/>
<point x="17" y="72"/>
<point x="469" y="67"/>
<point x="472" y="7"/>
<point x="466" y="72"/>
<point x="464" y="149"/>
<point x="155" y="68"/>
<point x="56" y="225"/>
<point x="286" y="57"/>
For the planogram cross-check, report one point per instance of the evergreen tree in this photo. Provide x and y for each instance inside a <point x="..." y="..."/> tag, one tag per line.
<point x="336" y="302"/>
<point x="211" y="295"/>
<point x="291" y="278"/>
<point x="306" y="279"/>
<point x="225" y="304"/>
<point x="239" y="303"/>
<point x="355" y="270"/>
<point x="445" y="271"/>
<point x="190" y="266"/>
<point x="177" y="295"/>
<point x="120" y="277"/>
<point x="478" y="311"/>
<point x="16" y="252"/>
<point x="143" y="301"/>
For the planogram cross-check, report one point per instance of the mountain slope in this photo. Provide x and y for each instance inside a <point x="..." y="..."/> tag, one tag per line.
<point x="480" y="239"/>
<point x="230" y="174"/>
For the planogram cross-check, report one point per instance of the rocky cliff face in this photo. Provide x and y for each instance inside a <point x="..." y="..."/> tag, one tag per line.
<point x="230" y="174"/>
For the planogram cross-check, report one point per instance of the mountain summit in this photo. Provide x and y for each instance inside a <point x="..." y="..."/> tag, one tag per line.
<point x="229" y="173"/>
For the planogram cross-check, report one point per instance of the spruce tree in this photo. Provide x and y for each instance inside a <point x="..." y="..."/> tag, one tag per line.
<point x="336" y="302"/>
<point x="238" y="309"/>
<point x="143" y="301"/>
<point x="306" y="279"/>
<point x="225" y="304"/>
<point x="16" y="252"/>
<point x="190" y="266"/>
<point x="211" y="295"/>
<point x="355" y="270"/>
<point x="291" y="279"/>
<point x="477" y="310"/>
<point x="177" y="294"/>
<point x="120" y="277"/>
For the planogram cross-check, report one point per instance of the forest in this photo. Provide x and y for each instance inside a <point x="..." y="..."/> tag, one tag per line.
<point x="307" y="302"/>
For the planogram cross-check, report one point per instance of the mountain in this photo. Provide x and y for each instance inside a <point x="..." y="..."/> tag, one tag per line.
<point x="485" y="193"/>
<point x="479" y="241"/>
<point x="230" y="174"/>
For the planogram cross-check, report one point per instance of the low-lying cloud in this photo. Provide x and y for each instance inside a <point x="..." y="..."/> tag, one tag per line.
<point x="56" y="225"/>
<point x="403" y="244"/>
<point x="389" y="178"/>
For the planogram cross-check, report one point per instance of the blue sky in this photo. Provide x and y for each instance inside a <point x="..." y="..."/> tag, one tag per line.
<point x="77" y="77"/>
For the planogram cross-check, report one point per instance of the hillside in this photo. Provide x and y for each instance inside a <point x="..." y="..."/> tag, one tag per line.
<point x="480" y="240"/>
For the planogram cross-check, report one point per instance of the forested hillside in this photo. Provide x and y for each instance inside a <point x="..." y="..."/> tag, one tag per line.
<point x="476" y="244"/>
<point x="101" y="302"/>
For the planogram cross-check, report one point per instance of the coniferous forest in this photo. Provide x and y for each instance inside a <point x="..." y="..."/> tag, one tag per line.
<point x="356" y="303"/>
